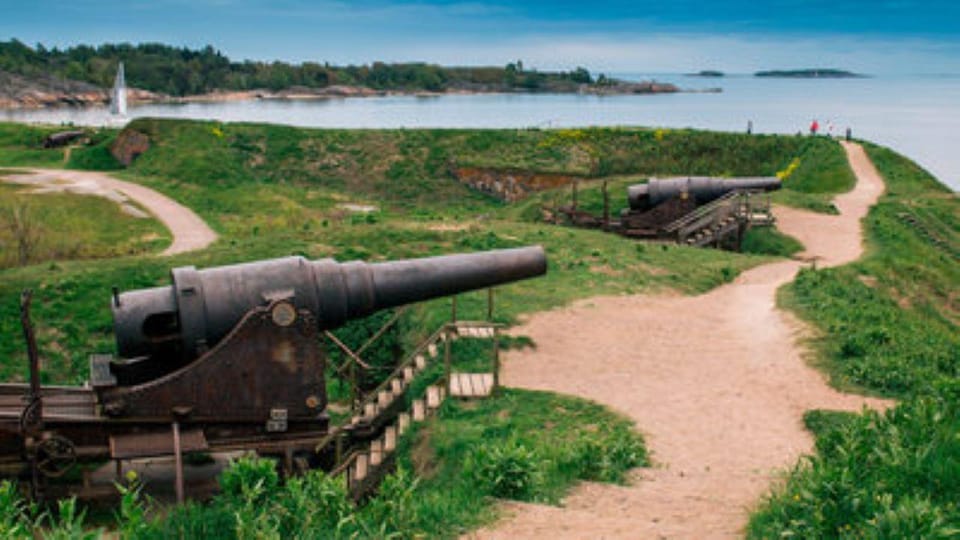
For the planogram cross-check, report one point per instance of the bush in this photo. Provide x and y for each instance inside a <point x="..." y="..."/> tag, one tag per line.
<point x="312" y="503"/>
<point x="507" y="471"/>
<point x="603" y="457"/>
<point x="249" y="478"/>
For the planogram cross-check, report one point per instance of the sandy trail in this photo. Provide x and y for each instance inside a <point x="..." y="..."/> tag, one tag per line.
<point x="188" y="230"/>
<point x="717" y="383"/>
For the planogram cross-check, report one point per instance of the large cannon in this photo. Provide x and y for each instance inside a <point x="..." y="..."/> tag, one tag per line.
<point x="176" y="323"/>
<point x="702" y="189"/>
<point x="230" y="354"/>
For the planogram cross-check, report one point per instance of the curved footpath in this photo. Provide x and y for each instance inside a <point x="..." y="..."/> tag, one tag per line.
<point x="189" y="231"/>
<point x="717" y="383"/>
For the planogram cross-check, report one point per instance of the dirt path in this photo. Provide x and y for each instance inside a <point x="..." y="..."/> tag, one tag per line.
<point x="717" y="383"/>
<point x="188" y="230"/>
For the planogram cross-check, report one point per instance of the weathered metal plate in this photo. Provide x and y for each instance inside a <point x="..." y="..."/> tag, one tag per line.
<point x="160" y="443"/>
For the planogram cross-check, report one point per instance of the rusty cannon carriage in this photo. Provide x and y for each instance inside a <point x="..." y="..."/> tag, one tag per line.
<point x="691" y="210"/>
<point x="225" y="358"/>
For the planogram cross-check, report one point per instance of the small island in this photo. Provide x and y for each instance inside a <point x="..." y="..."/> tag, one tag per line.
<point x="812" y="73"/>
<point x="707" y="73"/>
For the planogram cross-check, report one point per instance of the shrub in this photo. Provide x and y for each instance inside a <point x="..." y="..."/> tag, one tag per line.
<point x="313" y="503"/>
<point x="131" y="518"/>
<point x="393" y="512"/>
<point x="508" y="470"/>
<point x="249" y="478"/>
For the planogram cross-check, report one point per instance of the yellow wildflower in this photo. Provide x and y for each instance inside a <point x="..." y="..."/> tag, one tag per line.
<point x="784" y="174"/>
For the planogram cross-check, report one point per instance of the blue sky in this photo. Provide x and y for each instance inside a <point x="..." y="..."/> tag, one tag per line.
<point x="879" y="36"/>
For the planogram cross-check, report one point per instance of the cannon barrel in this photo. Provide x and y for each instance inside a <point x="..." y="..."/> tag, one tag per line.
<point x="202" y="306"/>
<point x="702" y="188"/>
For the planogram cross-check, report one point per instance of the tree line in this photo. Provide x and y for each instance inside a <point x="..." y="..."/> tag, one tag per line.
<point x="181" y="71"/>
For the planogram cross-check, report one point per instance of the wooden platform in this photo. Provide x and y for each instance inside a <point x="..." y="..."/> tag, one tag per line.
<point x="470" y="385"/>
<point x="472" y="331"/>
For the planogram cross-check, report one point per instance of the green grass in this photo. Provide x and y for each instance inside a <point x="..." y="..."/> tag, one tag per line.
<point x="409" y="169"/>
<point x="890" y="319"/>
<point x="770" y="241"/>
<point x="890" y="324"/>
<point x="59" y="227"/>
<point x="21" y="146"/>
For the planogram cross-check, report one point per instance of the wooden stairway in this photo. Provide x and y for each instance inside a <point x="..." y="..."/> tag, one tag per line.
<point x="727" y="217"/>
<point x="382" y="416"/>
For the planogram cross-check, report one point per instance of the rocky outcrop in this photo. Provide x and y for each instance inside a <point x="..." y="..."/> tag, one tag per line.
<point x="128" y="145"/>
<point x="623" y="87"/>
<point x="17" y="91"/>
<point x="37" y="92"/>
<point x="508" y="184"/>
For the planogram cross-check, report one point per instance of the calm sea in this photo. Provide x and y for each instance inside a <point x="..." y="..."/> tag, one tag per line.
<point x="918" y="115"/>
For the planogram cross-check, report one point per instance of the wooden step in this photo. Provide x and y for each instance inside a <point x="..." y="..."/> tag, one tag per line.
<point x="476" y="331"/>
<point x="471" y="385"/>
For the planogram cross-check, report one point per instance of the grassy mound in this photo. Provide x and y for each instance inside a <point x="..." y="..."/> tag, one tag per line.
<point x="273" y="191"/>
<point x="891" y="325"/>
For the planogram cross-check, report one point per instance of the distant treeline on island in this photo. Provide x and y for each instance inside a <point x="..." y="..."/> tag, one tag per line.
<point x="176" y="71"/>
<point x="810" y="74"/>
<point x="789" y="73"/>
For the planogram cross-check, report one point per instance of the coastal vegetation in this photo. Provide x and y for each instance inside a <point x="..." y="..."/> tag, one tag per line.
<point x="889" y="325"/>
<point x="180" y="71"/>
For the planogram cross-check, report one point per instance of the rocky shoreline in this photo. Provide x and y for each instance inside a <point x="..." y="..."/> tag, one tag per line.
<point x="18" y="92"/>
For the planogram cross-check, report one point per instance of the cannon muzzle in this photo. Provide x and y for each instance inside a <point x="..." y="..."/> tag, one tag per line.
<point x="702" y="189"/>
<point x="202" y="306"/>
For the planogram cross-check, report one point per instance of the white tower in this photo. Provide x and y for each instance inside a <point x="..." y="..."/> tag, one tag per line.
<point x="118" y="101"/>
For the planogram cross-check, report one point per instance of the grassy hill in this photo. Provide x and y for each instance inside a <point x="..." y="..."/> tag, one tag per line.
<point x="889" y="321"/>
<point x="274" y="190"/>
<point x="890" y="324"/>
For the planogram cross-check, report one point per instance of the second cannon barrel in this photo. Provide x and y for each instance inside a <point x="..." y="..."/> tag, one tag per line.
<point x="702" y="189"/>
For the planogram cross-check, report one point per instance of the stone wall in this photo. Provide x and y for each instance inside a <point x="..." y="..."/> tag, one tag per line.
<point x="128" y="145"/>
<point x="510" y="185"/>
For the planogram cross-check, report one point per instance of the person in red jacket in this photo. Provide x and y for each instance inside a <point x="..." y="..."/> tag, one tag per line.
<point x="814" y="126"/>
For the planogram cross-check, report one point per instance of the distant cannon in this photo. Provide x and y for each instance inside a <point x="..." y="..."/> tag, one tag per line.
<point x="694" y="210"/>
<point x="702" y="189"/>
<point x="63" y="138"/>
